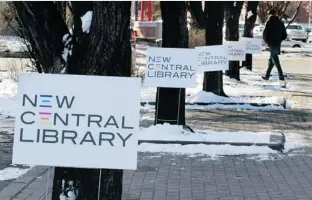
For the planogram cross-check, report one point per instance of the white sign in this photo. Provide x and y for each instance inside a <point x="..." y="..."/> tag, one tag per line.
<point x="170" y="67"/>
<point x="77" y="121"/>
<point x="253" y="45"/>
<point x="236" y="50"/>
<point x="212" y="58"/>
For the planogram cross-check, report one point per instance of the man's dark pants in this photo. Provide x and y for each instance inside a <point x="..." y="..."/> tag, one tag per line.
<point x="274" y="60"/>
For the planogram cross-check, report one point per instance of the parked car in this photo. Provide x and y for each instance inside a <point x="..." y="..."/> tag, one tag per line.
<point x="288" y="43"/>
<point x="297" y="32"/>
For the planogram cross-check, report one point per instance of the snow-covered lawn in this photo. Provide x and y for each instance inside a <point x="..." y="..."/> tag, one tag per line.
<point x="176" y="133"/>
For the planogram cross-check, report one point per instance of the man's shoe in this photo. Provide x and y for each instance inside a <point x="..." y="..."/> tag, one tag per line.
<point x="264" y="78"/>
<point x="282" y="83"/>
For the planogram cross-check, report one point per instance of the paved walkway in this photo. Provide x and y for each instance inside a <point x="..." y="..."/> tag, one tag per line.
<point x="172" y="177"/>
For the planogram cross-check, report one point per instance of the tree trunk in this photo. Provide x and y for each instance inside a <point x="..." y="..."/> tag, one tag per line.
<point x="214" y="12"/>
<point x="105" y="50"/>
<point x="170" y="102"/>
<point x="232" y="14"/>
<point x="197" y="13"/>
<point x="249" y="25"/>
<point x="109" y="54"/>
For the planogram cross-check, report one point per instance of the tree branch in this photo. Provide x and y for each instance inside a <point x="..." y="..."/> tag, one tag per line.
<point x="44" y="33"/>
<point x="295" y="14"/>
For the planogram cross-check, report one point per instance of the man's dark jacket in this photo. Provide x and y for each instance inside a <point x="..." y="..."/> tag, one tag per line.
<point x="274" y="32"/>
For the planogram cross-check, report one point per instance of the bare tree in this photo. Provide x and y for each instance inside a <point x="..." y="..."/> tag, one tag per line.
<point x="232" y="14"/>
<point x="250" y="20"/>
<point x="102" y="49"/>
<point x="214" y="14"/>
<point x="285" y="9"/>
<point x="170" y="105"/>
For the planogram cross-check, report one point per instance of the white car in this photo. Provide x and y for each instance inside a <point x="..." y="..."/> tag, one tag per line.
<point x="288" y="43"/>
<point x="297" y="32"/>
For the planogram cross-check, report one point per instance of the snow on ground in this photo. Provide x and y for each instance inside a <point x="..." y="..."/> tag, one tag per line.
<point x="213" y="151"/>
<point x="168" y="132"/>
<point x="251" y="89"/>
<point x="177" y="133"/>
<point x="10" y="173"/>
<point x="8" y="89"/>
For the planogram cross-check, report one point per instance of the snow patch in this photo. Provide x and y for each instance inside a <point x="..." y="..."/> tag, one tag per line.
<point x="86" y="21"/>
<point x="177" y="133"/>
<point x="249" y="14"/>
<point x="10" y="173"/>
<point x="211" y="150"/>
<point x="294" y="143"/>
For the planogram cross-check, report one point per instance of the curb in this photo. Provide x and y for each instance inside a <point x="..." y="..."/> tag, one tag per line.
<point x="18" y="185"/>
<point x="213" y="103"/>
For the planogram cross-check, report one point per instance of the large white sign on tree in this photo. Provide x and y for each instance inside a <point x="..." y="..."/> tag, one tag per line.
<point x="170" y="67"/>
<point x="77" y="121"/>
<point x="212" y="58"/>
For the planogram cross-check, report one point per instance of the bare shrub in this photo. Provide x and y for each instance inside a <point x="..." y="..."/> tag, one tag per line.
<point x="18" y="65"/>
<point x="196" y="37"/>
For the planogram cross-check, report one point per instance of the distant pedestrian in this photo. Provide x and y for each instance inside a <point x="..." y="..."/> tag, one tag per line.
<point x="274" y="33"/>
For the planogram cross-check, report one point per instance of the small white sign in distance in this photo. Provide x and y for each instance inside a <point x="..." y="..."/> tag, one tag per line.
<point x="212" y="58"/>
<point x="170" y="67"/>
<point x="253" y="45"/>
<point x="236" y="50"/>
<point x="77" y="121"/>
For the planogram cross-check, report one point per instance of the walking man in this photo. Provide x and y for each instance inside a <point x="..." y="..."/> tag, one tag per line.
<point x="274" y="33"/>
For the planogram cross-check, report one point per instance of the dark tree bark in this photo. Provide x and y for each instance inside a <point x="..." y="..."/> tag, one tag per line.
<point x="44" y="33"/>
<point x="111" y="29"/>
<point x="232" y="14"/>
<point x="61" y="7"/>
<point x="170" y="104"/>
<point x="80" y="40"/>
<point x="197" y="13"/>
<point x="214" y="12"/>
<point x="109" y="53"/>
<point x="105" y="50"/>
<point x="249" y="25"/>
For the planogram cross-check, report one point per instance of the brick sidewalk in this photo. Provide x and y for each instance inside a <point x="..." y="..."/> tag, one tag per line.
<point x="170" y="177"/>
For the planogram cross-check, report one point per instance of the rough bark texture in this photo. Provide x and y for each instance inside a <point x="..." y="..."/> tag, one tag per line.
<point x="249" y="26"/>
<point x="214" y="12"/>
<point x="175" y="34"/>
<point x="80" y="40"/>
<point x="197" y="13"/>
<point x="45" y="21"/>
<point x="232" y="14"/>
<point x="105" y="50"/>
<point x="108" y="52"/>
